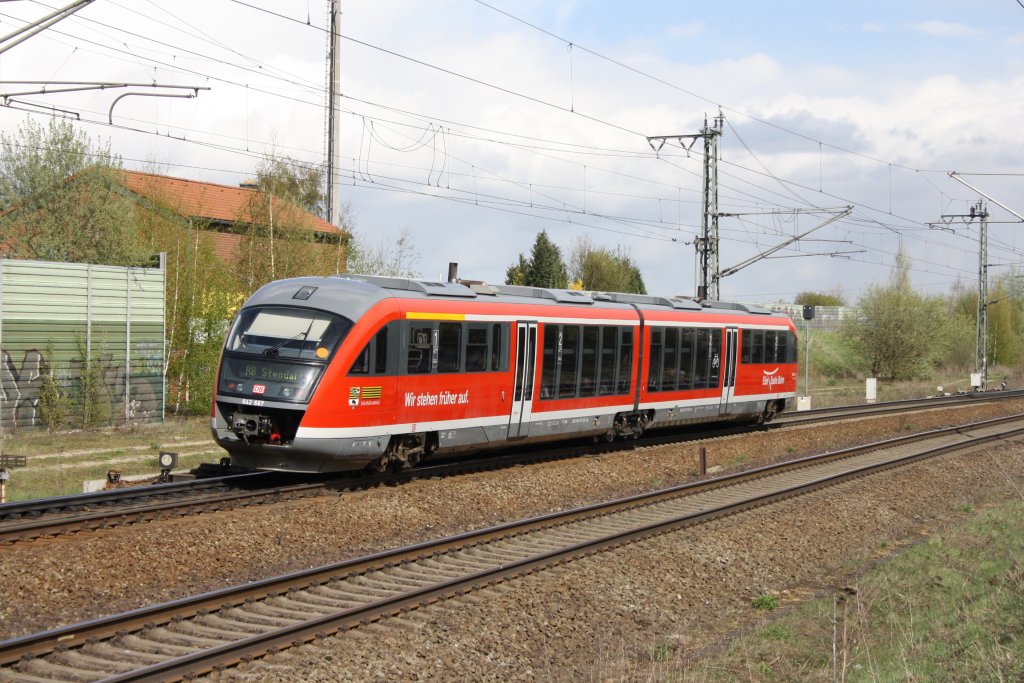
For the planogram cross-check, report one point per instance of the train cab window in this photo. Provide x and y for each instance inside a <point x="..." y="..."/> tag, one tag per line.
<point x="421" y="350"/>
<point x="287" y="333"/>
<point x="361" y="366"/>
<point x="373" y="359"/>
<point x="449" y="347"/>
<point x="791" y="350"/>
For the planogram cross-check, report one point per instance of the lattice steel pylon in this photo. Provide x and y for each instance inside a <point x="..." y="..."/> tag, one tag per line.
<point x="707" y="242"/>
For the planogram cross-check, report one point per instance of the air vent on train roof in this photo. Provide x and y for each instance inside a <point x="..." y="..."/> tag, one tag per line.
<point x="564" y="296"/>
<point x="410" y="285"/>
<point x="731" y="306"/>
<point x="624" y="298"/>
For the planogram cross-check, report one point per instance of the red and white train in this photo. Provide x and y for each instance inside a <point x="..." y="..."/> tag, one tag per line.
<point x="322" y="374"/>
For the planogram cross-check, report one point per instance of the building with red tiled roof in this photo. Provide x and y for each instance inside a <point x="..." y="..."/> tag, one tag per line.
<point x="224" y="213"/>
<point x="222" y="208"/>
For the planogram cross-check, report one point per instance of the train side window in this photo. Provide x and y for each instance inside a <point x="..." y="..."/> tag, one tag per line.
<point x="476" y="348"/>
<point x="498" y="333"/>
<point x="421" y="350"/>
<point x="670" y="364"/>
<point x="716" y="358"/>
<point x="609" y="335"/>
<point x="625" y="365"/>
<point x="746" y="343"/>
<point x="568" y="376"/>
<point x="686" y="342"/>
<point x="655" y="355"/>
<point x="549" y="363"/>
<point x="449" y="347"/>
<point x="757" y="352"/>
<point x="588" y="362"/>
<point x="702" y="350"/>
<point x="770" y="346"/>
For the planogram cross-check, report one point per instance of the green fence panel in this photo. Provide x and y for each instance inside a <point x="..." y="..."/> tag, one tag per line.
<point x="61" y="318"/>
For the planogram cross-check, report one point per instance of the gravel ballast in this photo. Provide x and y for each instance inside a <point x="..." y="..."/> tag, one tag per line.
<point x="96" y="574"/>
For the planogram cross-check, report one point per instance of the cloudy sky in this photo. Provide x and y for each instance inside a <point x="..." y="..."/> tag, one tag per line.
<point x="471" y="126"/>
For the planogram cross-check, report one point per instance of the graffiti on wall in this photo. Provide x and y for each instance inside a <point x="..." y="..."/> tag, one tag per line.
<point x="21" y="384"/>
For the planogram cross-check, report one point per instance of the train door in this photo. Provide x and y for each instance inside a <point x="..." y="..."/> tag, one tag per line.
<point x="522" y="391"/>
<point x="729" y="369"/>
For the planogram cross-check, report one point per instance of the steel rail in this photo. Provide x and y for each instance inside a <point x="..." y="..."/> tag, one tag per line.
<point x="64" y="516"/>
<point x="198" y="662"/>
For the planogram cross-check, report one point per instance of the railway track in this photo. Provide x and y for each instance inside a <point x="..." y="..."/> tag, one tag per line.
<point x="889" y="407"/>
<point x="53" y="518"/>
<point x="196" y="635"/>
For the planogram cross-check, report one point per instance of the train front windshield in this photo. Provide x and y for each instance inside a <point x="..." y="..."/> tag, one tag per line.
<point x="278" y="354"/>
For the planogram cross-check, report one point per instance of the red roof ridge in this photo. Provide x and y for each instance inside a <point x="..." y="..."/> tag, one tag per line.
<point x="215" y="201"/>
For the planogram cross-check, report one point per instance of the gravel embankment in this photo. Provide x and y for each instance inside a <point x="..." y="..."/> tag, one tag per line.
<point x="638" y="612"/>
<point x="93" y="575"/>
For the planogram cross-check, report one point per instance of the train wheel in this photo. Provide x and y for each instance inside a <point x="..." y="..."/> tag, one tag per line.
<point x="771" y="409"/>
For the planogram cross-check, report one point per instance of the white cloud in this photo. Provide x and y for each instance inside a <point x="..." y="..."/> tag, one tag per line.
<point x="947" y="29"/>
<point x="490" y="183"/>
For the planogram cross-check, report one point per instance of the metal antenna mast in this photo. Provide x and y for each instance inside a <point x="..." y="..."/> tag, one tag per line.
<point x="707" y="242"/>
<point x="334" y="118"/>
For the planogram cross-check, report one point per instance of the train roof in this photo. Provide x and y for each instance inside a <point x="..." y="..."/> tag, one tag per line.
<point x="352" y="295"/>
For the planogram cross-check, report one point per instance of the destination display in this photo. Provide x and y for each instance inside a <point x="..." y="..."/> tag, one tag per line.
<point x="268" y="380"/>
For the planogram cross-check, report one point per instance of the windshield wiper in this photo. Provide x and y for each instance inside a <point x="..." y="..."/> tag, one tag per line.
<point x="273" y="350"/>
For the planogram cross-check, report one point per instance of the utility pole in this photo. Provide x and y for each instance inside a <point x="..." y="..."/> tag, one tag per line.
<point x="334" y="118"/>
<point x="981" y="359"/>
<point x="980" y="211"/>
<point x="707" y="243"/>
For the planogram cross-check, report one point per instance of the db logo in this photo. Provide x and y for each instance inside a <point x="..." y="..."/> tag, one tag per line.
<point x="259" y="388"/>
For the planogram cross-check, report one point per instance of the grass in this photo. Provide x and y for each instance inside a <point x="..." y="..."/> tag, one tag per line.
<point x="832" y="383"/>
<point x="765" y="601"/>
<point x="948" y="609"/>
<point x="58" y="463"/>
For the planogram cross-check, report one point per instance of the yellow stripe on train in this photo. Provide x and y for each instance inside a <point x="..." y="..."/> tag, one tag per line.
<point x="435" y="316"/>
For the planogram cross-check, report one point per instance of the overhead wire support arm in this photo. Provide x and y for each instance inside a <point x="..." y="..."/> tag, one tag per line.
<point x="955" y="176"/>
<point x="39" y="25"/>
<point x="768" y="252"/>
<point x="80" y="86"/>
